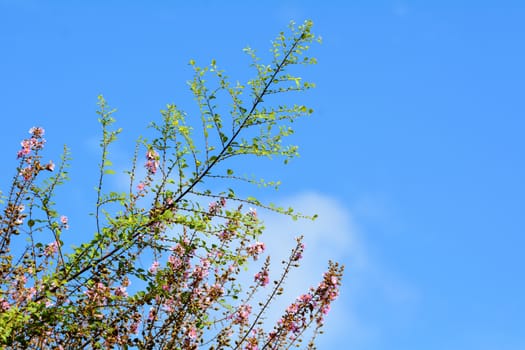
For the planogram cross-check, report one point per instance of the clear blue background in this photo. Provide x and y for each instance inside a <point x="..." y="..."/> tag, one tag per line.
<point x="418" y="137"/>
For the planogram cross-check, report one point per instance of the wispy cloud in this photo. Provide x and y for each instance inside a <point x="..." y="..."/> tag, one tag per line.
<point x="334" y="235"/>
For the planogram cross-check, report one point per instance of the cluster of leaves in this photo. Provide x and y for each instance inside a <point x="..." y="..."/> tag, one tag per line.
<point x="191" y="295"/>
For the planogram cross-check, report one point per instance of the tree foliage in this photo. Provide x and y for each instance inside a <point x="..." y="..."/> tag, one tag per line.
<point x="97" y="295"/>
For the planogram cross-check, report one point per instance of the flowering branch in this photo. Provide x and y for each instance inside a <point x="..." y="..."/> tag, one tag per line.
<point x="56" y="297"/>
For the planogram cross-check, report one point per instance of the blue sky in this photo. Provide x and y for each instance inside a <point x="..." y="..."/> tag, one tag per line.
<point x="413" y="158"/>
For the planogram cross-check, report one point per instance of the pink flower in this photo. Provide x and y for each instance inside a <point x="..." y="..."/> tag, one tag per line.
<point x="134" y="327"/>
<point x="262" y="277"/>
<point x="4" y="305"/>
<point x="154" y="267"/>
<point x="30" y="293"/>
<point x="292" y="309"/>
<point x="242" y="314"/>
<point x="152" y="166"/>
<point x="252" y="344"/>
<point x="121" y="292"/>
<point x="51" y="248"/>
<point x="26" y="149"/>
<point x="27" y="173"/>
<point x="152" y="314"/>
<point x="141" y="186"/>
<point x="26" y="144"/>
<point x="97" y="292"/>
<point x="213" y="208"/>
<point x="152" y="161"/>
<point x="299" y="253"/>
<point x="305" y="298"/>
<point x="256" y="249"/>
<point x="192" y="333"/>
<point x="37" y="131"/>
<point x="152" y="155"/>
<point x="64" y="220"/>
<point x="202" y="271"/>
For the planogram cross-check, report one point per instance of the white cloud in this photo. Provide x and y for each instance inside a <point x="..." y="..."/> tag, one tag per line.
<point x="334" y="235"/>
<point x="331" y="236"/>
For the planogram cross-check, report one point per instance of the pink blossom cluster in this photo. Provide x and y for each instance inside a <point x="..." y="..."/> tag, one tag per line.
<point x="298" y="254"/>
<point x="98" y="293"/>
<point x="26" y="173"/>
<point x="312" y="306"/>
<point x="64" y="220"/>
<point x="121" y="291"/>
<point x="201" y="271"/>
<point x="262" y="277"/>
<point x="19" y="293"/>
<point x="51" y="248"/>
<point x="180" y="257"/>
<point x="251" y="344"/>
<point x="152" y="161"/>
<point x="241" y="316"/>
<point x="209" y="294"/>
<point x="229" y="231"/>
<point x="136" y="320"/>
<point x="4" y="305"/>
<point x="327" y="291"/>
<point x="192" y="333"/>
<point x="214" y="208"/>
<point x="255" y="250"/>
<point x="34" y="143"/>
<point x="154" y="267"/>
